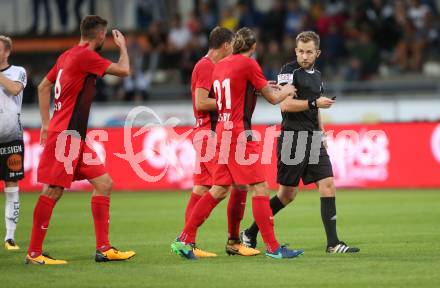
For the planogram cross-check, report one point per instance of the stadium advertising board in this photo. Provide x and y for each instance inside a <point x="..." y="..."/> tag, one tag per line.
<point x="400" y="155"/>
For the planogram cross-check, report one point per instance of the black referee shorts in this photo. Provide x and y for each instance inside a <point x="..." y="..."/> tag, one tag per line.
<point x="11" y="160"/>
<point x="302" y="155"/>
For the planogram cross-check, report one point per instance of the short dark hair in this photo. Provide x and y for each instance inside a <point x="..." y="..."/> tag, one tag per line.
<point x="219" y="36"/>
<point x="90" y="25"/>
<point x="307" y="36"/>
<point x="244" y="39"/>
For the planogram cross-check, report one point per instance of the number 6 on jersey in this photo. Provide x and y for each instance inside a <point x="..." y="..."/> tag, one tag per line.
<point x="57" y="90"/>
<point x="58" y="84"/>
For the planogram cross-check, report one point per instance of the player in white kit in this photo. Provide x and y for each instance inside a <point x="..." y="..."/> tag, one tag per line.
<point x="12" y="82"/>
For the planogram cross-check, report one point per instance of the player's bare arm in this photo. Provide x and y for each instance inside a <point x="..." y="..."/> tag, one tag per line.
<point x="122" y="68"/>
<point x="295" y="105"/>
<point x="12" y="87"/>
<point x="275" y="94"/>
<point x="321" y="126"/>
<point x="203" y="102"/>
<point x="44" y="103"/>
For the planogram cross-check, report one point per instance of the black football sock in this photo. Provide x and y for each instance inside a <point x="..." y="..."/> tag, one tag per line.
<point x="276" y="205"/>
<point x="328" y="215"/>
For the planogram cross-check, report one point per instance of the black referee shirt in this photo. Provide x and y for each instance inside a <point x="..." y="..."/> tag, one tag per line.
<point x="309" y="86"/>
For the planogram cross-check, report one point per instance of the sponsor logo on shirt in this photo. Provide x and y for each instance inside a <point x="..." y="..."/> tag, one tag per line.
<point x="22" y="77"/>
<point x="14" y="162"/>
<point x="285" y="78"/>
<point x="11" y="150"/>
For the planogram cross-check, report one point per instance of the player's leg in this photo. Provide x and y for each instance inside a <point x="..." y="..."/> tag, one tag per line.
<point x="236" y="208"/>
<point x="321" y="174"/>
<point x="202" y="184"/>
<point x="221" y="176"/>
<point x="285" y="195"/>
<point x="101" y="217"/>
<point x="264" y="219"/>
<point x="102" y="186"/>
<point x="327" y="191"/>
<point x="196" y="194"/>
<point x="11" y="172"/>
<point x="184" y="244"/>
<point x="12" y="212"/>
<point x="203" y="178"/>
<point x="202" y="210"/>
<point x="53" y="173"/>
<point x="94" y="171"/>
<point x="288" y="176"/>
<point x="42" y="214"/>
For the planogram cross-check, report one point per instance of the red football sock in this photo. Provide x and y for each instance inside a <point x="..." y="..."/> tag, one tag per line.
<point x="101" y="218"/>
<point x="264" y="219"/>
<point x="42" y="213"/>
<point x="236" y="207"/>
<point x="193" y="199"/>
<point x="200" y="213"/>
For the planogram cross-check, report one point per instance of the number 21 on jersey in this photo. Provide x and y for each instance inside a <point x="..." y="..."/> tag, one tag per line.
<point x="218" y="88"/>
<point x="57" y="104"/>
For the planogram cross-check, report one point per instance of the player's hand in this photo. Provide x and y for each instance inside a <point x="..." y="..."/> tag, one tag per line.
<point x="273" y="84"/>
<point x="324" y="102"/>
<point x="43" y="135"/>
<point x="324" y="140"/>
<point x="289" y="89"/>
<point x="118" y="38"/>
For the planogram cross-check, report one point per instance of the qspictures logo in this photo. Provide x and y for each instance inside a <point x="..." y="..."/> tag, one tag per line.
<point x="161" y="152"/>
<point x="435" y="143"/>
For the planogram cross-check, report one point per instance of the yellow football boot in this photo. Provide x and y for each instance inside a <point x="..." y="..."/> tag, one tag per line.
<point x="43" y="259"/>
<point x="199" y="253"/>
<point x="235" y="247"/>
<point x="10" y="245"/>
<point x="113" y="254"/>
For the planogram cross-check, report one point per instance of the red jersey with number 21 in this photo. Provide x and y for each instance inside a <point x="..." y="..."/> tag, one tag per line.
<point x="74" y="75"/>
<point x="235" y="81"/>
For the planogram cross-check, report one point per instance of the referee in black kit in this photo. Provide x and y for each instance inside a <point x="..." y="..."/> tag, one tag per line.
<point x="301" y="151"/>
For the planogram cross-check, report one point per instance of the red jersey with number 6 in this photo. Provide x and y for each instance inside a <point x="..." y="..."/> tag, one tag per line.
<point x="74" y="75"/>
<point x="235" y="81"/>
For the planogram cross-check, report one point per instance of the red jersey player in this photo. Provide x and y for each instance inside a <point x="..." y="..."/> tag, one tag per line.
<point x="235" y="81"/>
<point x="74" y="76"/>
<point x="205" y="112"/>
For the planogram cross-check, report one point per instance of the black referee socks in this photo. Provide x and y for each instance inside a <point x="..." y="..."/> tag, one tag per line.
<point x="276" y="205"/>
<point x="328" y="215"/>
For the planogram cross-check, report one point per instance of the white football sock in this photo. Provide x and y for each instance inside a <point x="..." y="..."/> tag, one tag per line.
<point x="12" y="211"/>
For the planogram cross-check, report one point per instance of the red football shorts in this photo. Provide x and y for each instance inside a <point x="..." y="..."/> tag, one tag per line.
<point x="204" y="178"/>
<point x="205" y="152"/>
<point x="78" y="162"/>
<point x="239" y="168"/>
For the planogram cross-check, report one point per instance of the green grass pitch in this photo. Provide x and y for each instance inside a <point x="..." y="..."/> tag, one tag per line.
<point x="398" y="233"/>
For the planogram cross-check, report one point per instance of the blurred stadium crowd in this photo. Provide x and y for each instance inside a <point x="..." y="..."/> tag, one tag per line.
<point x="361" y="40"/>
